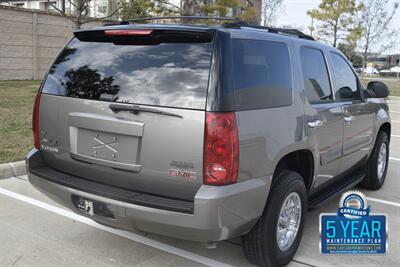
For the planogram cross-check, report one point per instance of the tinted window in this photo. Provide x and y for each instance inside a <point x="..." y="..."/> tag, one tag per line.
<point x="169" y="74"/>
<point x="262" y="74"/>
<point x="315" y="75"/>
<point x="346" y="85"/>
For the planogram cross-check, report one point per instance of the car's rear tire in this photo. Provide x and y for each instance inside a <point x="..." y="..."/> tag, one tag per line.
<point x="377" y="164"/>
<point x="260" y="245"/>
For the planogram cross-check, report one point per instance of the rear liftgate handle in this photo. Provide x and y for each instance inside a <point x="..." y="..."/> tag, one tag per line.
<point x="349" y="119"/>
<point x="315" y="124"/>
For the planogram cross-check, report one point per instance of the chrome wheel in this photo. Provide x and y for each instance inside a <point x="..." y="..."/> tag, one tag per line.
<point x="382" y="160"/>
<point x="288" y="221"/>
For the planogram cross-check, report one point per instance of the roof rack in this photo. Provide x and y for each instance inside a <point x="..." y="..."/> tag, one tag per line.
<point x="233" y="23"/>
<point x="128" y="21"/>
<point x="291" y="32"/>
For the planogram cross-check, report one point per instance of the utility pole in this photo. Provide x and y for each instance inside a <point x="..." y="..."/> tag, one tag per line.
<point x="312" y="27"/>
<point x="186" y="6"/>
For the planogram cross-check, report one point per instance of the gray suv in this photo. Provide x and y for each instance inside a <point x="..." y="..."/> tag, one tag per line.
<point x="206" y="133"/>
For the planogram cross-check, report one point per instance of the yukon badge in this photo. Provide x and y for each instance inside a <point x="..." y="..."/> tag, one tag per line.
<point x="49" y="148"/>
<point x="47" y="143"/>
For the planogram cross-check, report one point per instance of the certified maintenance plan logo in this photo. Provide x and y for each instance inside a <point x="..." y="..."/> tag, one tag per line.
<point x="353" y="229"/>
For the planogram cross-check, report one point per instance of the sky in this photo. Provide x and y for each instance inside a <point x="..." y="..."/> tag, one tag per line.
<point x="294" y="13"/>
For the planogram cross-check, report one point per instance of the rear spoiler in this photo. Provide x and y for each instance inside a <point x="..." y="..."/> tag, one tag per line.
<point x="145" y="36"/>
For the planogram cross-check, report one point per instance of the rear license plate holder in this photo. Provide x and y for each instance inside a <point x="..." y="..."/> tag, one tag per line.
<point x="91" y="207"/>
<point x="106" y="141"/>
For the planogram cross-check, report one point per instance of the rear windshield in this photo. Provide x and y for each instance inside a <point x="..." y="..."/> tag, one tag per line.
<point x="167" y="74"/>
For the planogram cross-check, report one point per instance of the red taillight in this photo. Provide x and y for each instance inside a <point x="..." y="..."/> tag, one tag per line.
<point x="128" y="32"/>
<point x="35" y="121"/>
<point x="221" y="149"/>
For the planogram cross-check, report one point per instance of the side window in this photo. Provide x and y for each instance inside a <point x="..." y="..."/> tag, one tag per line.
<point x="315" y="75"/>
<point x="346" y="85"/>
<point x="263" y="77"/>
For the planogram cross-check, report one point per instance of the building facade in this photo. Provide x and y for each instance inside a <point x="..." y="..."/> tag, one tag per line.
<point x="97" y="8"/>
<point x="394" y="60"/>
<point x="384" y="62"/>
<point x="103" y="8"/>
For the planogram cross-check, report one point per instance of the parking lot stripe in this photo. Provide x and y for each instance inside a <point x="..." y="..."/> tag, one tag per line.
<point x="129" y="235"/>
<point x="303" y="263"/>
<point x="396" y="159"/>
<point x="395" y="135"/>
<point x="395" y="121"/>
<point x="382" y="201"/>
<point x="398" y="112"/>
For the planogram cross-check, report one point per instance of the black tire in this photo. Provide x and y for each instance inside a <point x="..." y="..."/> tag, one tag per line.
<point x="372" y="181"/>
<point x="260" y="245"/>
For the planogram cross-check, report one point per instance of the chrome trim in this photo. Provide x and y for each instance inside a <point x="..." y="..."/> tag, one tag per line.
<point x="381" y="161"/>
<point x="315" y="124"/>
<point x="289" y="221"/>
<point x="349" y="119"/>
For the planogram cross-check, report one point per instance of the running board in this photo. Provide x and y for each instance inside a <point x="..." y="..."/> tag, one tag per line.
<point x="333" y="189"/>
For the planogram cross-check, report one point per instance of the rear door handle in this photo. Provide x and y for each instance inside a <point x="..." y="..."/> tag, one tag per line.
<point x="349" y="119"/>
<point x="315" y="124"/>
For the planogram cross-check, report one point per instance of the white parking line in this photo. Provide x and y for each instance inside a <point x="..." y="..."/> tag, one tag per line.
<point x="134" y="237"/>
<point x="397" y="112"/>
<point x="395" y="159"/>
<point x="395" y="121"/>
<point x="395" y="135"/>
<point x="384" y="201"/>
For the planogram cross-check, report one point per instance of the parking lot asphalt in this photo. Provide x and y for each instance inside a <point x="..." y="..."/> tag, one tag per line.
<point x="35" y="231"/>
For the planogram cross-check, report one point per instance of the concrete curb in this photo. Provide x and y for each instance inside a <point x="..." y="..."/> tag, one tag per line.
<point x="11" y="169"/>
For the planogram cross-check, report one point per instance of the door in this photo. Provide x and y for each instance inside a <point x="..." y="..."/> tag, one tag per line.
<point x="324" y="117"/>
<point x="358" y="116"/>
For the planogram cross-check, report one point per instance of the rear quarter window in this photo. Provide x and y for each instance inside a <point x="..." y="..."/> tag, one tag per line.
<point x="167" y="74"/>
<point x="262" y="71"/>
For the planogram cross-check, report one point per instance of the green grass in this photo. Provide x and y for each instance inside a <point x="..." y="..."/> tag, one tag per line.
<point x="392" y="83"/>
<point x="16" y="103"/>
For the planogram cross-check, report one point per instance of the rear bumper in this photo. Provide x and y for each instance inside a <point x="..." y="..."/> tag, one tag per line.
<point x="219" y="212"/>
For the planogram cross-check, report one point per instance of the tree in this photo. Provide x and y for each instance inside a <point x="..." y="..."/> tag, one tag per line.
<point x="270" y="9"/>
<point x="166" y="7"/>
<point x="88" y="83"/>
<point x="349" y="45"/>
<point x="375" y="21"/>
<point x="246" y="10"/>
<point x="80" y="9"/>
<point x="131" y="9"/>
<point x="250" y="11"/>
<point x="337" y="19"/>
<point x="351" y="54"/>
<point x="219" y="7"/>
<point x="63" y="57"/>
<point x="249" y="14"/>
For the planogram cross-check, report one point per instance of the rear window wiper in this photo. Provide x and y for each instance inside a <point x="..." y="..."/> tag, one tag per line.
<point x="137" y="109"/>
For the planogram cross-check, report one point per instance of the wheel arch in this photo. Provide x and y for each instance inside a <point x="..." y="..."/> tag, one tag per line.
<point x="385" y="127"/>
<point x="300" y="161"/>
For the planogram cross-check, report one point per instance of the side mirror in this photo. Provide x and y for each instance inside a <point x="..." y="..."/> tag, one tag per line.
<point x="377" y="89"/>
<point x="345" y="93"/>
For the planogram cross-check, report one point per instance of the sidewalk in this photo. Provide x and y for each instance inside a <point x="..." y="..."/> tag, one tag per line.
<point x="12" y="169"/>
